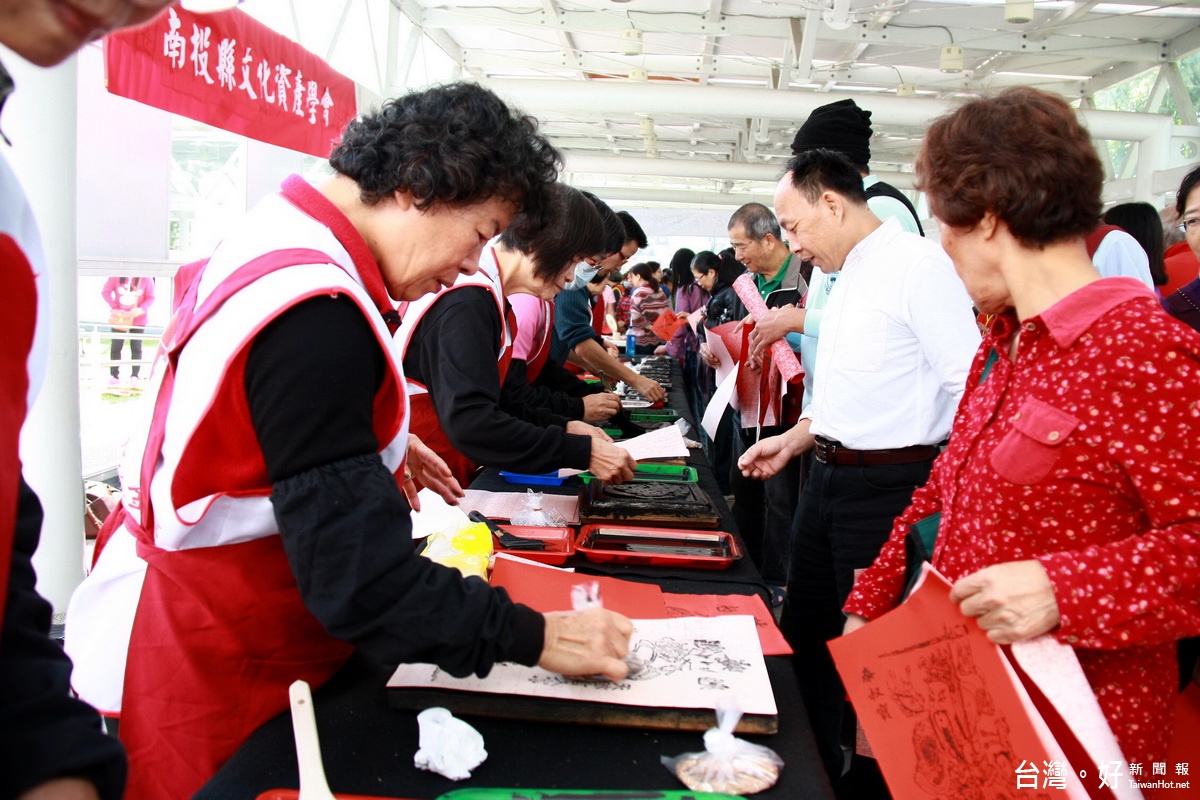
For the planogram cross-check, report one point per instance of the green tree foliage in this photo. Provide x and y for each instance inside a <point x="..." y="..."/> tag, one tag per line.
<point x="1134" y="94"/>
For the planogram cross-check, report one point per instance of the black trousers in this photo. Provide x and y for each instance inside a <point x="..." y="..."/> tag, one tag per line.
<point x="844" y="517"/>
<point x="117" y="344"/>
<point x="763" y="510"/>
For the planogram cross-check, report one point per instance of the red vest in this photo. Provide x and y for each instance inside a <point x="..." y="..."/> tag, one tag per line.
<point x="202" y="673"/>
<point x="425" y="423"/>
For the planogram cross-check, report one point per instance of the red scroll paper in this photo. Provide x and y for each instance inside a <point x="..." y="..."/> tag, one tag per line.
<point x="785" y="360"/>
<point x="231" y="71"/>
<point x="945" y="713"/>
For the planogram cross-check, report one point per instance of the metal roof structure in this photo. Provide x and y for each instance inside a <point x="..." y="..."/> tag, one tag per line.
<point x="696" y="101"/>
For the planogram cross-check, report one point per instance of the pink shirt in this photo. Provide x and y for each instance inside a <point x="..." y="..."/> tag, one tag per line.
<point x="527" y="310"/>
<point x="1081" y="455"/>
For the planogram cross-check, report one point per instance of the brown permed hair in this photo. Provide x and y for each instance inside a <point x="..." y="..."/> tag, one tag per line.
<point x="1023" y="155"/>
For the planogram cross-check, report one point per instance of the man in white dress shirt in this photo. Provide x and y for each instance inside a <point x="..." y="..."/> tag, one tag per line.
<point x="897" y="340"/>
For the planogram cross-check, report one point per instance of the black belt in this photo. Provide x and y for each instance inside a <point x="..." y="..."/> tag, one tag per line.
<point x="831" y="452"/>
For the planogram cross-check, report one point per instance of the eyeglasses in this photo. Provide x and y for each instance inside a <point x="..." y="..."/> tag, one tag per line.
<point x="1190" y="225"/>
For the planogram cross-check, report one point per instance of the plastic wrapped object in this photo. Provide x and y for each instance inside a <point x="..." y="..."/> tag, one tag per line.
<point x="449" y="746"/>
<point x="728" y="764"/>
<point x="467" y="549"/>
<point x="532" y="513"/>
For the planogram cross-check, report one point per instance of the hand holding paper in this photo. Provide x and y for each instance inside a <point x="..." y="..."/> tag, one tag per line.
<point x="1012" y="602"/>
<point x="666" y="324"/>
<point x="773" y="326"/>
<point x="785" y="360"/>
<point x="610" y="462"/>
<point x="590" y="642"/>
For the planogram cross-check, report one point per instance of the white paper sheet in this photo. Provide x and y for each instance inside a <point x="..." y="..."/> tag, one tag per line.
<point x="504" y="505"/>
<point x="661" y="443"/>
<point x="1055" y="669"/>
<point x="690" y="662"/>
<point x="436" y="515"/>
<point x="728" y="363"/>
<point x="724" y="395"/>
<point x="530" y="562"/>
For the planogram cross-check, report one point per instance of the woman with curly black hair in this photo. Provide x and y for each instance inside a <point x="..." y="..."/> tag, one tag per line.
<point x="275" y="536"/>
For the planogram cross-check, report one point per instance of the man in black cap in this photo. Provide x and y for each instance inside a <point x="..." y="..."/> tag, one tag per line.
<point x="844" y="128"/>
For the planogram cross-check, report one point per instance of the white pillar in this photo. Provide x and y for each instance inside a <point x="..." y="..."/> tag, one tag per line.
<point x="40" y="119"/>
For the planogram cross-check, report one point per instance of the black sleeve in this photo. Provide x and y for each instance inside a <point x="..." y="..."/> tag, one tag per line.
<point x="344" y="522"/>
<point x="517" y="386"/>
<point x="453" y="353"/>
<point x="44" y="732"/>
<point x="558" y="378"/>
<point x="311" y="378"/>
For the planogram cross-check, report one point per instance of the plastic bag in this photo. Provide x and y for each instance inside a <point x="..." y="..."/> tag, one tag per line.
<point x="728" y="764"/>
<point x="449" y="746"/>
<point x="467" y="549"/>
<point x="532" y="513"/>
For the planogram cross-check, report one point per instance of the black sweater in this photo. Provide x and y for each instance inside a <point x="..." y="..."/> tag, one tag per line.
<point x="453" y="354"/>
<point x="311" y="379"/>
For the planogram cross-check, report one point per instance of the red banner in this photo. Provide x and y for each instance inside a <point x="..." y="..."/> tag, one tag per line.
<point x="231" y="71"/>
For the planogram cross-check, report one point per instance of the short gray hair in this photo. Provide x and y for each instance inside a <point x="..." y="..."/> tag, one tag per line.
<point x="757" y="220"/>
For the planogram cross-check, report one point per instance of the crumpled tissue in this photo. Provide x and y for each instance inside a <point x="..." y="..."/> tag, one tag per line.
<point x="449" y="746"/>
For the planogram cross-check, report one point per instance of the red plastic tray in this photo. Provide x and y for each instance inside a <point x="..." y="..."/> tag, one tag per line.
<point x="661" y="547"/>
<point x="560" y="543"/>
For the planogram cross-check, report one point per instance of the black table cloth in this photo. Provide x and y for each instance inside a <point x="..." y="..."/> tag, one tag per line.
<point x="368" y="747"/>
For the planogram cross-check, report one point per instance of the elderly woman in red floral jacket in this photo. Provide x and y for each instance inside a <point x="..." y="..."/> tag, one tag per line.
<point x="1068" y="490"/>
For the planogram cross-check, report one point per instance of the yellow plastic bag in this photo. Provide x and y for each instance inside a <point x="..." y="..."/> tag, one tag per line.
<point x="467" y="549"/>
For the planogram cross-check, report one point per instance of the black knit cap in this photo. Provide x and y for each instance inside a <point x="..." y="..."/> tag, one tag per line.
<point x="841" y="126"/>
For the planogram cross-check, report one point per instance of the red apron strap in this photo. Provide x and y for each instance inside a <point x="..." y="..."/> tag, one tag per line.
<point x="537" y="359"/>
<point x="17" y="276"/>
<point x="1093" y="240"/>
<point x="203" y="673"/>
<point x="187" y="319"/>
<point x="598" y="314"/>
<point x="423" y="422"/>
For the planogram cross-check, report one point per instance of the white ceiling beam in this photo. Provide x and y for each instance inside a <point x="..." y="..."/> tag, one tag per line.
<point x="1111" y="49"/>
<point x="683" y="197"/>
<point x="1114" y="75"/>
<point x="682" y="168"/>
<point x="445" y="41"/>
<point x="808" y="43"/>
<point x="602" y="147"/>
<point x="602" y="22"/>
<point x="1179" y="91"/>
<point x="689" y="67"/>
<point x="1157" y="92"/>
<point x="404" y="66"/>
<point x="722" y="143"/>
<point x="671" y="167"/>
<point x="337" y="32"/>
<point x="295" y="21"/>
<point x="713" y="15"/>
<point x="1183" y="46"/>
<point x="570" y="50"/>
<point x="1073" y="12"/>
<point x="599" y="97"/>
<point x="392" y="68"/>
<point x="380" y="66"/>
